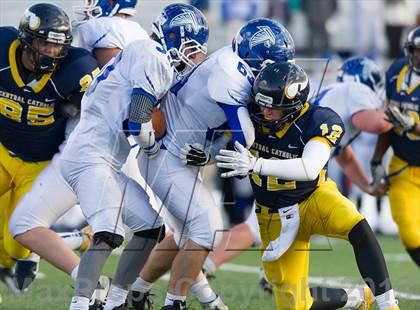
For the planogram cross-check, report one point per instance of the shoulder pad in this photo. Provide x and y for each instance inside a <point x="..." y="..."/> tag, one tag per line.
<point x="324" y="122"/>
<point x="396" y="66"/>
<point x="230" y="80"/>
<point x="76" y="72"/>
<point x="7" y="35"/>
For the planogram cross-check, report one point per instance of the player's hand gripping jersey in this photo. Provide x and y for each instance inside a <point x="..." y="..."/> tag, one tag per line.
<point x="202" y="102"/>
<point x="31" y="125"/>
<point x="143" y="67"/>
<point x="403" y="90"/>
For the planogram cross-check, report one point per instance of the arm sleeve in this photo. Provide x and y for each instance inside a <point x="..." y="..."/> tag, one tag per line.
<point x="239" y="123"/>
<point x="141" y="106"/>
<point x="307" y="168"/>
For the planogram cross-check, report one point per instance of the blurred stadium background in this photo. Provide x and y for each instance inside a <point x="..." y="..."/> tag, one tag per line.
<point x="325" y="31"/>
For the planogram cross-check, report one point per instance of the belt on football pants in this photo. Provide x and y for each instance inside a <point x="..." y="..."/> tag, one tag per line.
<point x="261" y="209"/>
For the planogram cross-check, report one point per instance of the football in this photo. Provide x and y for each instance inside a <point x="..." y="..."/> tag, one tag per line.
<point x="159" y="124"/>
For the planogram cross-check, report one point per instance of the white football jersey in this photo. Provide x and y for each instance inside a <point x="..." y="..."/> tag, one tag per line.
<point x="108" y="32"/>
<point x="346" y="99"/>
<point x="191" y="106"/>
<point x="105" y="107"/>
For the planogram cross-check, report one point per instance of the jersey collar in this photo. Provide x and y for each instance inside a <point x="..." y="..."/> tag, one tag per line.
<point x="400" y="81"/>
<point x="36" y="85"/>
<point x="282" y="132"/>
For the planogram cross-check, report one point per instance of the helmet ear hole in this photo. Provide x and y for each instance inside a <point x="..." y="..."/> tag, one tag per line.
<point x="171" y="36"/>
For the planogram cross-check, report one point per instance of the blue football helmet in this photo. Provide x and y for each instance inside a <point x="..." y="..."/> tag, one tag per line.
<point x="183" y="31"/>
<point x="263" y="40"/>
<point x="362" y="70"/>
<point x="99" y="8"/>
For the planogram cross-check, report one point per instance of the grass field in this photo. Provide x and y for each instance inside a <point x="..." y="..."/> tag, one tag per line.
<point x="237" y="282"/>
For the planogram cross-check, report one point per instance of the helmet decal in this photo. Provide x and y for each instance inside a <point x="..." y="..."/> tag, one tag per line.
<point x="187" y="19"/>
<point x="264" y="36"/>
<point x="34" y="20"/>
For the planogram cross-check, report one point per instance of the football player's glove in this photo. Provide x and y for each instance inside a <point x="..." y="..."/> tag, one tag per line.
<point x="241" y="162"/>
<point x="400" y="119"/>
<point x="378" y="177"/>
<point x="194" y="155"/>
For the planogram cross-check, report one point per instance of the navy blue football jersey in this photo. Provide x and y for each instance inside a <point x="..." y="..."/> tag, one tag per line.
<point x="405" y="145"/>
<point x="31" y="126"/>
<point x="314" y="122"/>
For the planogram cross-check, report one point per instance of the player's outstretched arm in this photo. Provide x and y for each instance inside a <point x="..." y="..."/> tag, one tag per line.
<point x="307" y="168"/>
<point x="354" y="171"/>
<point x="371" y="120"/>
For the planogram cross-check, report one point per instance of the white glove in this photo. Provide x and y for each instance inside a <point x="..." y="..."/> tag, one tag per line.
<point x="194" y="155"/>
<point x="241" y="162"/>
<point x="378" y="177"/>
<point x="152" y="151"/>
<point x="400" y="119"/>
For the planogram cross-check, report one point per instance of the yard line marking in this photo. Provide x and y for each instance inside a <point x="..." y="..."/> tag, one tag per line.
<point x="397" y="257"/>
<point x="344" y="282"/>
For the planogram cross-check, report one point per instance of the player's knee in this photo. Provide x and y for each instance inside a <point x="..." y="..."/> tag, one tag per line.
<point x="157" y="234"/>
<point x="111" y="239"/>
<point x="361" y="234"/>
<point x="16" y="250"/>
<point x="409" y="237"/>
<point x="288" y="296"/>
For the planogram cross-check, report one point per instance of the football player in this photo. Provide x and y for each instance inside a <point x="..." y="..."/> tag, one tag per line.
<point x="287" y="165"/>
<point x="403" y="96"/>
<point x="187" y="49"/>
<point x="50" y="196"/>
<point x="359" y="85"/>
<point x="40" y="77"/>
<point x="193" y="113"/>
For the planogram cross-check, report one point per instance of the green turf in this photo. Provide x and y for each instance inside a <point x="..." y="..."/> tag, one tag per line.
<point x="332" y="259"/>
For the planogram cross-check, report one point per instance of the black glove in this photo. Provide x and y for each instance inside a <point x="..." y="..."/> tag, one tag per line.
<point x="194" y="155"/>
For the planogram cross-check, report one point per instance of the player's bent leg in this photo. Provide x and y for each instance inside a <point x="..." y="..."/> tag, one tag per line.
<point x="188" y="264"/>
<point x="55" y="251"/>
<point x="331" y="214"/>
<point x="159" y="262"/>
<point x="289" y="273"/>
<point x="404" y="196"/>
<point x="48" y="199"/>
<point x="92" y="263"/>
<point x="132" y="260"/>
<point x="240" y="238"/>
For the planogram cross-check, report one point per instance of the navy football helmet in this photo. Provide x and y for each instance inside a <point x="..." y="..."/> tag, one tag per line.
<point x="263" y="39"/>
<point x="362" y="70"/>
<point x="100" y="8"/>
<point x="413" y="42"/>
<point x="183" y="31"/>
<point x="45" y="23"/>
<point x="283" y="86"/>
